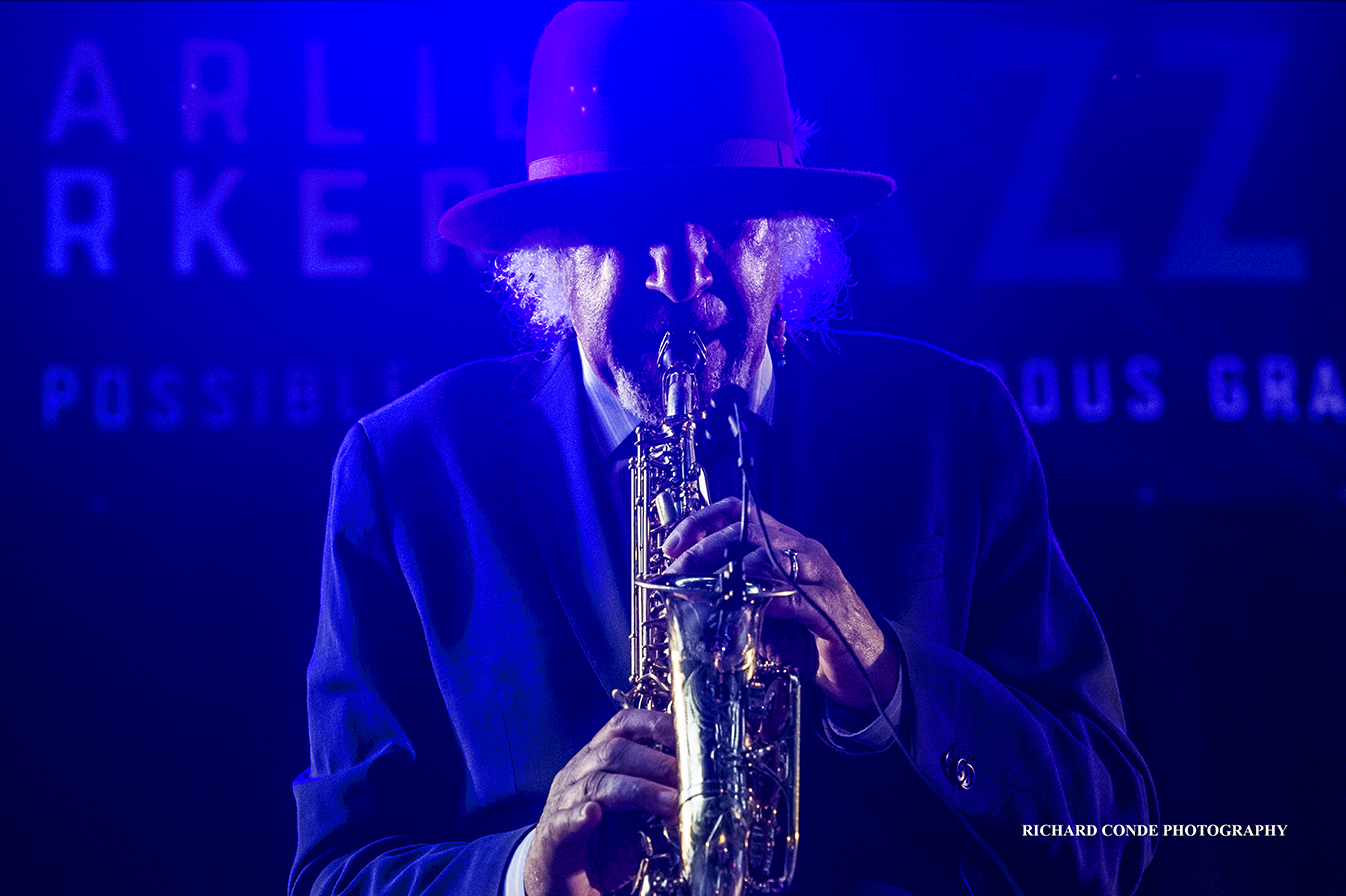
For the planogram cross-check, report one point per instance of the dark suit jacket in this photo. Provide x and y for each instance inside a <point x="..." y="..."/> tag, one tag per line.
<point x="474" y="622"/>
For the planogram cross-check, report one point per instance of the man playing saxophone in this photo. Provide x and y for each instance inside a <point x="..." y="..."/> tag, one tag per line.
<point x="474" y="621"/>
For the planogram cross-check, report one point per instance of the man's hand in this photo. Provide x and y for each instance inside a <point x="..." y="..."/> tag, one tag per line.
<point x="586" y="840"/>
<point x="697" y="546"/>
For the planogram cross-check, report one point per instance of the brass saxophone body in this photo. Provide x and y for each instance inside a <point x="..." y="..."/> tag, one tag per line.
<point x="694" y="653"/>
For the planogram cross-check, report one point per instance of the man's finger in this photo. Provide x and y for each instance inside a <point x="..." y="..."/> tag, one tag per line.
<point x="626" y="793"/>
<point x="801" y="570"/>
<point x="626" y="757"/>
<point x="574" y="822"/>
<point x="644" y="726"/>
<point x="696" y="526"/>
<point x="705" y="555"/>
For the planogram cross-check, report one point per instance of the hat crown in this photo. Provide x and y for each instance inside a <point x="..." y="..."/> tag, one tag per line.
<point x="640" y="85"/>
<point x="670" y="109"/>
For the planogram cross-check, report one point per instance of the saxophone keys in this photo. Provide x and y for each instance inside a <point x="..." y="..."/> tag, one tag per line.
<point x="667" y="508"/>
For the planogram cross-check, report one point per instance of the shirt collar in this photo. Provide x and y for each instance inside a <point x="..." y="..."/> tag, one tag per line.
<point x="613" y="423"/>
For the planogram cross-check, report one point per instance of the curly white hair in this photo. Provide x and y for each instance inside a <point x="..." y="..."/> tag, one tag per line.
<point x="534" y="282"/>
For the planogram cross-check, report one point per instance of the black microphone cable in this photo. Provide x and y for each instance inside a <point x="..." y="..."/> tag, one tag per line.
<point x="749" y="491"/>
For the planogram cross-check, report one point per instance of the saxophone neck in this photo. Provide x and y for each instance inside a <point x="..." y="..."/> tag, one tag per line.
<point x="682" y="355"/>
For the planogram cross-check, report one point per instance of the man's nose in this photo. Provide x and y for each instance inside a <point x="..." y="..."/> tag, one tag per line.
<point x="680" y="270"/>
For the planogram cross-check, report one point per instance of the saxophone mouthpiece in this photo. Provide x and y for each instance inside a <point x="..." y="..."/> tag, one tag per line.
<point x="681" y="350"/>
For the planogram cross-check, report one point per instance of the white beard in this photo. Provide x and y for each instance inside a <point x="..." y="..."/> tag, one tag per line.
<point x="641" y="392"/>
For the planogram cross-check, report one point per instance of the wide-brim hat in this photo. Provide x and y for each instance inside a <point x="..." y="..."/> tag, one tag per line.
<point x="657" y="109"/>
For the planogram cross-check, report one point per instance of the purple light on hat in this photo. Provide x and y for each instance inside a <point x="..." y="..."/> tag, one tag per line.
<point x="704" y="86"/>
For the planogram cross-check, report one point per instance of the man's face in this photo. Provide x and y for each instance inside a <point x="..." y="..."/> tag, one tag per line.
<point x="634" y="284"/>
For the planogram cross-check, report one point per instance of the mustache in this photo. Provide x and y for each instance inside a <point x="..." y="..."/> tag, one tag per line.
<point x="706" y="313"/>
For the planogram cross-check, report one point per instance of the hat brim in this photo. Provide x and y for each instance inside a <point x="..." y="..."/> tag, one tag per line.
<point x="497" y="220"/>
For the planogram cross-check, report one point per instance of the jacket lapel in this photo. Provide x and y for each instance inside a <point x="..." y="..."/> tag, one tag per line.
<point x="552" y="454"/>
<point x="812" y="434"/>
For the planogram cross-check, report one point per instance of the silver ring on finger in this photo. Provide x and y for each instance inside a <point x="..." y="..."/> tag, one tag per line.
<point x="793" y="556"/>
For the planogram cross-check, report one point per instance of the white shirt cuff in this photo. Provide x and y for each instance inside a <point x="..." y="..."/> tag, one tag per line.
<point x="874" y="737"/>
<point x="514" y="873"/>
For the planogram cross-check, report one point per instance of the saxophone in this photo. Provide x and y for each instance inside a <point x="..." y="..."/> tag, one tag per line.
<point x="694" y="653"/>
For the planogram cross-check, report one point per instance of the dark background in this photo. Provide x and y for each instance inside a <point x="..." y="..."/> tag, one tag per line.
<point x="1153" y="190"/>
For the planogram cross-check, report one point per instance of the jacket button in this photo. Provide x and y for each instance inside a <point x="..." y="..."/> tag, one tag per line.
<point x="958" y="770"/>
